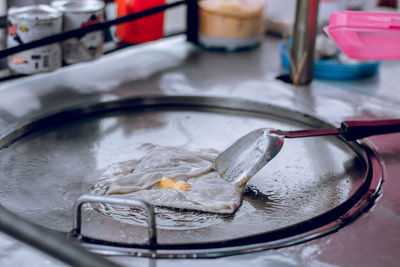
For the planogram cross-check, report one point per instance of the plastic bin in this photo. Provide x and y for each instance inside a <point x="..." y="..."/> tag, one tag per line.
<point x="366" y="35"/>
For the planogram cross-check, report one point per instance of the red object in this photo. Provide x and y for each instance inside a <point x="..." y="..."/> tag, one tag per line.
<point x="142" y="30"/>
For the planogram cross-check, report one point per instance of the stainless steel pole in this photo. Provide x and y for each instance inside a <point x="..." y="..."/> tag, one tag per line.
<point x="303" y="41"/>
<point x="52" y="243"/>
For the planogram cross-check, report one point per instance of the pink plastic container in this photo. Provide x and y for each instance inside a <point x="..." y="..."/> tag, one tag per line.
<point x="366" y="35"/>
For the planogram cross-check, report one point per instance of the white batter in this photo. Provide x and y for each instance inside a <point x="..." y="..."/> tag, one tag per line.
<point x="140" y="180"/>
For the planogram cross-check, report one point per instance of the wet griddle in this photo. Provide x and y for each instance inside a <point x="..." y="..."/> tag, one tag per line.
<point x="45" y="164"/>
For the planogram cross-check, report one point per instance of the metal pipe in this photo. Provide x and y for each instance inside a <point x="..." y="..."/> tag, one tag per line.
<point x="303" y="41"/>
<point x="52" y="243"/>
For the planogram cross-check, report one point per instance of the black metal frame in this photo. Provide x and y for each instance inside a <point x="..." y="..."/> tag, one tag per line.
<point x="191" y="27"/>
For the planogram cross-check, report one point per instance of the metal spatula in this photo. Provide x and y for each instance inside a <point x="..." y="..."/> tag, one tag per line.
<point x="243" y="159"/>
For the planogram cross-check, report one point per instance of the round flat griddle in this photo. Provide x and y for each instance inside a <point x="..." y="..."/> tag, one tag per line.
<point x="313" y="182"/>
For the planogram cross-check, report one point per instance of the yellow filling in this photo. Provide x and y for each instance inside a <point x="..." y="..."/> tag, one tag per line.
<point x="169" y="183"/>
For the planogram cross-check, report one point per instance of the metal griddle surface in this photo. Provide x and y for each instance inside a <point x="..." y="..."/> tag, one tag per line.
<point x="44" y="172"/>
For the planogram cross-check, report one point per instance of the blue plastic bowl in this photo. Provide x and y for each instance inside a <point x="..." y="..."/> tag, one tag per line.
<point x="332" y="69"/>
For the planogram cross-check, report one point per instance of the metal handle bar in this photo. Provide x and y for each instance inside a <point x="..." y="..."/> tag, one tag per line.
<point x="49" y="242"/>
<point x="77" y="211"/>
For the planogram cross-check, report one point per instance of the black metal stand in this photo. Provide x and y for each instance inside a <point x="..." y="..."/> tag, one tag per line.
<point x="191" y="31"/>
<point x="192" y="21"/>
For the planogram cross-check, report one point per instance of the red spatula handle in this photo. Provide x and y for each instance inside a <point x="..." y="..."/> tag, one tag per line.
<point x="353" y="130"/>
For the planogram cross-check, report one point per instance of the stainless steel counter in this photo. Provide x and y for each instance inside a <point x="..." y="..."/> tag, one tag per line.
<point x="174" y="67"/>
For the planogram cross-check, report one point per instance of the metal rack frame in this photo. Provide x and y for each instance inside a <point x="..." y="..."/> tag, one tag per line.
<point x="191" y="27"/>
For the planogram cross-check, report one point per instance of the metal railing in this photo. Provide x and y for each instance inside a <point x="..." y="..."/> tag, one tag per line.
<point x="191" y="27"/>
